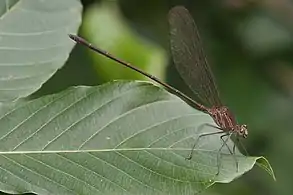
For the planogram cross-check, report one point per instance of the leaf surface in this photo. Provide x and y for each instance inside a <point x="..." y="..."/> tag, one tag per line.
<point x="117" y="138"/>
<point x="34" y="43"/>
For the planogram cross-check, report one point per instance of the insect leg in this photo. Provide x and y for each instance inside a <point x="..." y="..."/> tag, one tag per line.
<point x="219" y="151"/>
<point x="200" y="136"/>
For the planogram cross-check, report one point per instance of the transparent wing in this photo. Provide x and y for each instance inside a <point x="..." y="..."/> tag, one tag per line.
<point x="189" y="57"/>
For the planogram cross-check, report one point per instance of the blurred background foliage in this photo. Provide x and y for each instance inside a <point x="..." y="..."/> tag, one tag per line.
<point x="249" y="46"/>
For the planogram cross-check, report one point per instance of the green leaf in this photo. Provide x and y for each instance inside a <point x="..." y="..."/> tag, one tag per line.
<point x="34" y="43"/>
<point x="117" y="138"/>
<point x="105" y="27"/>
<point x="264" y="164"/>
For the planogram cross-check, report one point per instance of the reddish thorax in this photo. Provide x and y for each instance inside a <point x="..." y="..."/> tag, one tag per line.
<point x="225" y="119"/>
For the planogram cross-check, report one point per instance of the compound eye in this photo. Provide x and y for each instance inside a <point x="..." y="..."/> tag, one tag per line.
<point x="245" y="134"/>
<point x="241" y="130"/>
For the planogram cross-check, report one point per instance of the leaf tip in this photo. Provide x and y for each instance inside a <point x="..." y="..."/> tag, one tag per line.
<point x="263" y="163"/>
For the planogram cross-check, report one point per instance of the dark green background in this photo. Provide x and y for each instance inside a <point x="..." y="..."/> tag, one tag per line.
<point x="249" y="47"/>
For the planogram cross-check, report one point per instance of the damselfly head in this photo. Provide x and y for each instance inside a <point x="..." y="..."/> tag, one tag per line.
<point x="243" y="131"/>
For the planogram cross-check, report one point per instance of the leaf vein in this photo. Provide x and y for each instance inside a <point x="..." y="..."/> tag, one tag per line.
<point x="30" y="170"/>
<point x="93" y="172"/>
<point x="34" y="113"/>
<point x="135" y="179"/>
<point x="82" y="118"/>
<point x="123" y="115"/>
